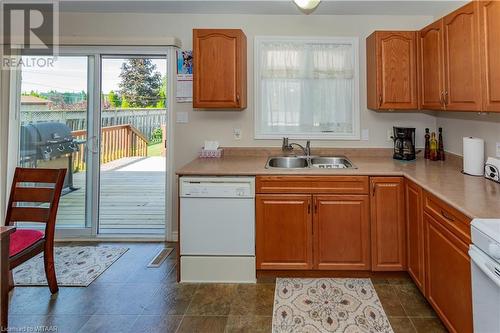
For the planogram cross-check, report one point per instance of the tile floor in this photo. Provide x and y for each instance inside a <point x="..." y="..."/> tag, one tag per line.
<point x="129" y="297"/>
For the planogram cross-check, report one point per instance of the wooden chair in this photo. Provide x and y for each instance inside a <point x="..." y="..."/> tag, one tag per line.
<point x="32" y="190"/>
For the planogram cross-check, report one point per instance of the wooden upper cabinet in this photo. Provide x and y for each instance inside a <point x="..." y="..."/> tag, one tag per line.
<point x="490" y="54"/>
<point x="462" y="59"/>
<point x="415" y="234"/>
<point x="448" y="285"/>
<point x="392" y="70"/>
<point x="431" y="66"/>
<point x="220" y="69"/>
<point x="388" y="236"/>
<point x="341" y="232"/>
<point x="283" y="231"/>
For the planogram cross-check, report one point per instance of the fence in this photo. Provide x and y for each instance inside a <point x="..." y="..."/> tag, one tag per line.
<point x="145" y="120"/>
<point x="116" y="142"/>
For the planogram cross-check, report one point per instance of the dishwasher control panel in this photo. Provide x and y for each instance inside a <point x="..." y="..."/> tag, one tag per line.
<point x="217" y="187"/>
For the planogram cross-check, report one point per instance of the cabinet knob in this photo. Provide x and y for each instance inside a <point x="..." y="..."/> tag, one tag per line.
<point x="447" y="216"/>
<point x="380" y="100"/>
<point x="238" y="98"/>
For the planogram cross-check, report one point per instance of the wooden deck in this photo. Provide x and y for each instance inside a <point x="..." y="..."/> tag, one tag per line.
<point x="132" y="197"/>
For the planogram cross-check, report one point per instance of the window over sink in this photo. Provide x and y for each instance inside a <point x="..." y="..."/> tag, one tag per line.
<point x="306" y="88"/>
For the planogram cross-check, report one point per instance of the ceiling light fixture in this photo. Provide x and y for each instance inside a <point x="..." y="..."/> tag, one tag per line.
<point x="307" y="6"/>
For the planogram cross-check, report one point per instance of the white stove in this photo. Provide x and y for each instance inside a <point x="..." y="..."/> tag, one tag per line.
<point x="485" y="262"/>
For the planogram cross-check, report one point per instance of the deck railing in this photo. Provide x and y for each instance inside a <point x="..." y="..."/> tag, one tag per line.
<point x="116" y="142"/>
<point x="145" y="120"/>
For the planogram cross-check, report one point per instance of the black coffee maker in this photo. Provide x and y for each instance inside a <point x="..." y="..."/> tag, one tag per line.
<point x="404" y="143"/>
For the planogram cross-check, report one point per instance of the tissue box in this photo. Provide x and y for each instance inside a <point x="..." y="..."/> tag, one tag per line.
<point x="207" y="153"/>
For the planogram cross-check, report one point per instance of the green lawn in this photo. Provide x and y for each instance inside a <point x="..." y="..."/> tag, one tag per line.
<point x="155" y="149"/>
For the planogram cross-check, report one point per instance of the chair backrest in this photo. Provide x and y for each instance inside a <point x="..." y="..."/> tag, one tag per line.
<point x="34" y="197"/>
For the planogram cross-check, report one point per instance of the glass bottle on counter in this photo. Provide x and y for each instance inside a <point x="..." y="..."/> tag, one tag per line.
<point x="433" y="147"/>
<point x="427" y="149"/>
<point x="441" y="155"/>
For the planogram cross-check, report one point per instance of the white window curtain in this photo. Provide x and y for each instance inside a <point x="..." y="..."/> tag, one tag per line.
<point x="306" y="89"/>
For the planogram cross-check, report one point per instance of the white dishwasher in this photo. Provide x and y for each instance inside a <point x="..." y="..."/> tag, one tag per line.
<point x="217" y="229"/>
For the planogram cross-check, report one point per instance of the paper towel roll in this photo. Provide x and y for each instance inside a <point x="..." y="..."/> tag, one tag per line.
<point x="474" y="156"/>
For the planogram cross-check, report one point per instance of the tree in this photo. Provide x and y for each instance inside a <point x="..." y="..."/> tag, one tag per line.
<point x="140" y="83"/>
<point x="114" y="99"/>
<point x="162" y="94"/>
<point x="125" y="103"/>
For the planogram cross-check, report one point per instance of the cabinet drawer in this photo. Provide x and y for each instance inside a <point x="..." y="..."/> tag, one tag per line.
<point x="455" y="221"/>
<point x="312" y="184"/>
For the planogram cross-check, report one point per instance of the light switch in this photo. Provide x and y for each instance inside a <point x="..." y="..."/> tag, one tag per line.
<point x="182" y="117"/>
<point x="498" y="149"/>
<point x="365" y="134"/>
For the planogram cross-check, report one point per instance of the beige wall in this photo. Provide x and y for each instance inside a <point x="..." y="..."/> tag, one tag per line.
<point x="218" y="125"/>
<point x="456" y="125"/>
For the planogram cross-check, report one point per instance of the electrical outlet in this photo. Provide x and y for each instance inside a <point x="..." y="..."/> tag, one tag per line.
<point x="498" y="149"/>
<point x="390" y="133"/>
<point x="237" y="133"/>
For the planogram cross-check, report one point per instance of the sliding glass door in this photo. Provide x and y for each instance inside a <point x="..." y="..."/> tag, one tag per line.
<point x="133" y="154"/>
<point x="54" y="120"/>
<point x="102" y="114"/>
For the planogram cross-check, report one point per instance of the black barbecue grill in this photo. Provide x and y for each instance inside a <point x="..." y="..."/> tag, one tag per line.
<point x="46" y="142"/>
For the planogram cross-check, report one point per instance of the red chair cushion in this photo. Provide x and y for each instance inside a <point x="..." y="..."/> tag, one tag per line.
<point x="22" y="239"/>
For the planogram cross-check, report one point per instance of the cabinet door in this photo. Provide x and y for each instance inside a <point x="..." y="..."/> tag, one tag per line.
<point x="341" y="232"/>
<point x="431" y="67"/>
<point x="490" y="57"/>
<point x="397" y="70"/>
<point x="388" y="237"/>
<point x="283" y="231"/>
<point x="448" y="285"/>
<point x="415" y="234"/>
<point x="219" y="73"/>
<point x="462" y="62"/>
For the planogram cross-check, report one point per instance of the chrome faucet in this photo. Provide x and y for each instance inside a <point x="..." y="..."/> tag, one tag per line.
<point x="288" y="147"/>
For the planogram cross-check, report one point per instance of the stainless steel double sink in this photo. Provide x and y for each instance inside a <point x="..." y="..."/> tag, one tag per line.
<point x="304" y="162"/>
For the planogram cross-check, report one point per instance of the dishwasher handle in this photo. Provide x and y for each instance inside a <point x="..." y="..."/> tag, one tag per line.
<point x="484" y="264"/>
<point x="217" y="187"/>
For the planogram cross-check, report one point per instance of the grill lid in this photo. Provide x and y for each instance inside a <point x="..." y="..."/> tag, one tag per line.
<point x="50" y="133"/>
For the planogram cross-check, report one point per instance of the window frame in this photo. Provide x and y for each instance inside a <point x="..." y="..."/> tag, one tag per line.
<point x="260" y="135"/>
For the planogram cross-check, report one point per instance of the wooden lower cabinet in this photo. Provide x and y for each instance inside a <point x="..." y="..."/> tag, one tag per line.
<point x="369" y="231"/>
<point x="341" y="232"/>
<point x="283" y="231"/>
<point x="415" y="234"/>
<point x="448" y="277"/>
<point x="388" y="237"/>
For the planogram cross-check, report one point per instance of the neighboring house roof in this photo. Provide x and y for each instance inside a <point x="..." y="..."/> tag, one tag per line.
<point x="34" y="100"/>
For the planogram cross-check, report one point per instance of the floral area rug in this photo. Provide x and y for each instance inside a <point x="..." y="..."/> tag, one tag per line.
<point x="76" y="266"/>
<point x="328" y="305"/>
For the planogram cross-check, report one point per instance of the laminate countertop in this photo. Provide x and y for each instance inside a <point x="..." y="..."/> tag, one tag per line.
<point x="476" y="197"/>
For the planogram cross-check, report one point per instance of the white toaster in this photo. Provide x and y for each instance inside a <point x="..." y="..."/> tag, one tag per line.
<point x="492" y="169"/>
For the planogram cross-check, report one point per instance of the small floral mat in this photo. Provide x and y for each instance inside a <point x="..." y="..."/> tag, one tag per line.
<point x="76" y="266"/>
<point x="328" y="305"/>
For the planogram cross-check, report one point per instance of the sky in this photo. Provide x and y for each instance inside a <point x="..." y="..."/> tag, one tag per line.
<point x="69" y="74"/>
